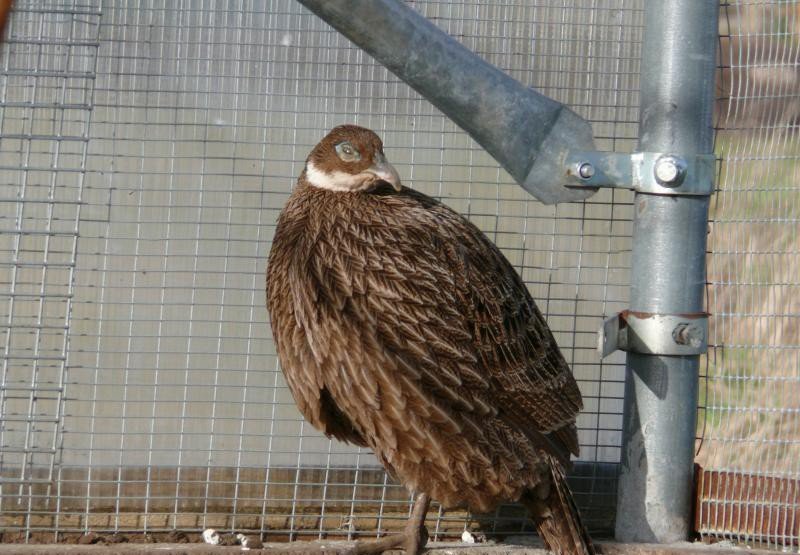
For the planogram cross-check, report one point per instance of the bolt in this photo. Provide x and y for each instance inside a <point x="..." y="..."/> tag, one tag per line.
<point x="670" y="171"/>
<point x="585" y="170"/>
<point x="688" y="334"/>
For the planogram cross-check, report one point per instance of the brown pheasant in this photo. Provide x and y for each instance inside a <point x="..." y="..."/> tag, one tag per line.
<point x="402" y="328"/>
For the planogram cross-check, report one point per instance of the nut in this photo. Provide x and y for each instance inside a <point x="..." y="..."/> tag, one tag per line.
<point x="670" y="171"/>
<point x="585" y="170"/>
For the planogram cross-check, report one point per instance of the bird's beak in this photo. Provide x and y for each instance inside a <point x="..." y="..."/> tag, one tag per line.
<point x="384" y="171"/>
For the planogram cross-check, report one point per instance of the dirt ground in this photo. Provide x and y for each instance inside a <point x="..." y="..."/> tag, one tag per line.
<point x="509" y="547"/>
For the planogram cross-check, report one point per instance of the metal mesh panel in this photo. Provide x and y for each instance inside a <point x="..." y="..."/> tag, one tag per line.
<point x="47" y="84"/>
<point x="141" y="261"/>
<point x="751" y="403"/>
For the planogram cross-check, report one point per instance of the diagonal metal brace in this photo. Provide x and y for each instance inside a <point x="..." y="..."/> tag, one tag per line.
<point x="655" y="334"/>
<point x="658" y="173"/>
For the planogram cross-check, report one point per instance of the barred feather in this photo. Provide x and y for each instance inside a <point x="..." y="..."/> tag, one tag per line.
<point x="401" y="327"/>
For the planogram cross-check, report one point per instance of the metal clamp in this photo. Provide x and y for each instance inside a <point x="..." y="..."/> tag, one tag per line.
<point x="655" y="334"/>
<point x="656" y="173"/>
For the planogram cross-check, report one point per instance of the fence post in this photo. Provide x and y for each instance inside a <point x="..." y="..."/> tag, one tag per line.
<point x="668" y="273"/>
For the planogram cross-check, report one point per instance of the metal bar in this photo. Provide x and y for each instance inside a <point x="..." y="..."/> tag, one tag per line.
<point x="668" y="274"/>
<point x="44" y="137"/>
<point x="23" y="481"/>
<point x="724" y="499"/>
<point x="528" y="133"/>
<point x="45" y="73"/>
<point x="29" y="418"/>
<point x="645" y="172"/>
<point x="57" y="11"/>
<point x="37" y="388"/>
<point x="30" y="450"/>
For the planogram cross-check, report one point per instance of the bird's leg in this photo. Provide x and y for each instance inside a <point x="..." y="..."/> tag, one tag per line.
<point x="412" y="540"/>
<point x="415" y="532"/>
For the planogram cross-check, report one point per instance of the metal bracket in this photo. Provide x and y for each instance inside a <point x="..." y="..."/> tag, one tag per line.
<point x="655" y="334"/>
<point x="656" y="173"/>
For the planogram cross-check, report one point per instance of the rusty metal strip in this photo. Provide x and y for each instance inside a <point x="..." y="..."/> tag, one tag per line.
<point x="739" y="505"/>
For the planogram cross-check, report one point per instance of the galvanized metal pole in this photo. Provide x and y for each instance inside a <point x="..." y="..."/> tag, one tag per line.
<point x="528" y="133"/>
<point x="668" y="273"/>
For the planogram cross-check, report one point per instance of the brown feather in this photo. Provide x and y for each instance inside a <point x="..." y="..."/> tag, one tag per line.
<point x="556" y="517"/>
<point x="400" y="326"/>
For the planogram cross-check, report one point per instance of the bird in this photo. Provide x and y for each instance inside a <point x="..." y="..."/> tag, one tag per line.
<point x="400" y="327"/>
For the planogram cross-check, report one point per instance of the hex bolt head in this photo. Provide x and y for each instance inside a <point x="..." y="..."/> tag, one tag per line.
<point x="585" y="170"/>
<point x="670" y="171"/>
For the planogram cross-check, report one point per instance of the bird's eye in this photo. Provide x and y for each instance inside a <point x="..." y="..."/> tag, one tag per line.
<point x="347" y="152"/>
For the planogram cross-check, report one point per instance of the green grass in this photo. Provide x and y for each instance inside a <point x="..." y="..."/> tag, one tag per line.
<point x="752" y="390"/>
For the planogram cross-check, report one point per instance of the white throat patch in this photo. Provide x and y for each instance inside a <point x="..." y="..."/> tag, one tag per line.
<point x="335" y="180"/>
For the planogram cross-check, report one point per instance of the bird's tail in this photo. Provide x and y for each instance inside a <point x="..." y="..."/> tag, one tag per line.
<point x="556" y="516"/>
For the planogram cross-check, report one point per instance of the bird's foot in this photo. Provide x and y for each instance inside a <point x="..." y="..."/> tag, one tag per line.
<point x="411" y="543"/>
<point x="412" y="540"/>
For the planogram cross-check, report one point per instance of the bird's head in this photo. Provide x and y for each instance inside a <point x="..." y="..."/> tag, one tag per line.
<point x="350" y="159"/>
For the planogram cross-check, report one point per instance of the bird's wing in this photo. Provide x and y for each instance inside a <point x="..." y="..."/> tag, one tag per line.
<point x="293" y="312"/>
<point x="531" y="380"/>
<point x="420" y="294"/>
<point x="383" y="333"/>
<point x="516" y="346"/>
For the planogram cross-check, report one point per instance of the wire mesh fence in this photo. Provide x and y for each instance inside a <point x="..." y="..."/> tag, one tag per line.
<point x="751" y="387"/>
<point x="48" y="78"/>
<point x="147" y="148"/>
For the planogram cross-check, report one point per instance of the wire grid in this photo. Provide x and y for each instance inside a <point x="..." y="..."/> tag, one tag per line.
<point x="46" y="82"/>
<point x="751" y="404"/>
<point x="198" y="117"/>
